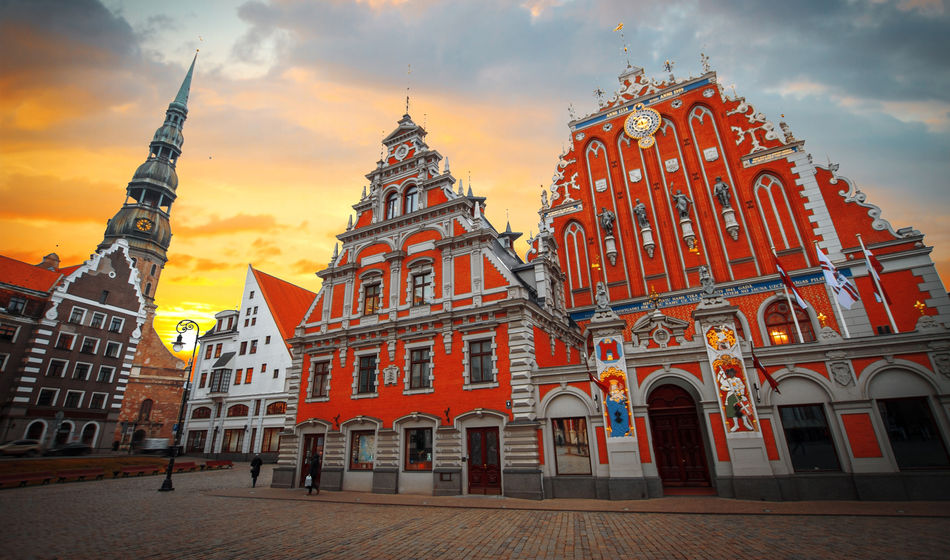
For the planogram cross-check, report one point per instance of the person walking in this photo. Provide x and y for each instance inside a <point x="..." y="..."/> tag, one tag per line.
<point x="314" y="476"/>
<point x="256" y="463"/>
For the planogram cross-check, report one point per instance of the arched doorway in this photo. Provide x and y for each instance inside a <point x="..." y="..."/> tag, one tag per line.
<point x="62" y="435"/>
<point x="677" y="438"/>
<point x="88" y="434"/>
<point x="36" y="429"/>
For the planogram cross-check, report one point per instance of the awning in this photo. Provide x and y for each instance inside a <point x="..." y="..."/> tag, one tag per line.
<point x="224" y="360"/>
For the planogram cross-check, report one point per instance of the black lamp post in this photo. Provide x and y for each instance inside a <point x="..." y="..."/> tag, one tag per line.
<point x="183" y="326"/>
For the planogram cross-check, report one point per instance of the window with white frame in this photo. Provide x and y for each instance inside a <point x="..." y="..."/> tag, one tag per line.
<point x="77" y="315"/>
<point x="81" y="371"/>
<point x="8" y="332"/>
<point x="113" y="349"/>
<point x="56" y="368"/>
<point x="47" y="397"/>
<point x="411" y="200"/>
<point x="365" y="375"/>
<point x="115" y="325"/>
<point x="73" y="399"/>
<point x="419" y="368"/>
<point x="17" y="305"/>
<point x="105" y="374"/>
<point x="89" y="345"/>
<point x="97" y="401"/>
<point x="418" y="449"/>
<point x="372" y="296"/>
<point x="65" y="341"/>
<point x="392" y="205"/>
<point x="319" y="383"/>
<point x="421" y="287"/>
<point x="480" y="362"/>
<point x="98" y="319"/>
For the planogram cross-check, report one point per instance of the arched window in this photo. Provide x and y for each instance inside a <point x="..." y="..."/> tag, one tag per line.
<point x="411" y="203"/>
<point x="145" y="410"/>
<point x="238" y="410"/>
<point x="278" y="407"/>
<point x="36" y="429"/>
<point x="148" y="288"/>
<point x="201" y="412"/>
<point x="88" y="434"/>
<point x="780" y="325"/>
<point x="392" y="205"/>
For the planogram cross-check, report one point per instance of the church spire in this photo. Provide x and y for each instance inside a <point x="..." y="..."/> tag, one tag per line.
<point x="182" y="98"/>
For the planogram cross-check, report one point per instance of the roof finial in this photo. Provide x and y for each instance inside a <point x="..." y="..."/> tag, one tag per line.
<point x="624" y="42"/>
<point x="408" y="75"/>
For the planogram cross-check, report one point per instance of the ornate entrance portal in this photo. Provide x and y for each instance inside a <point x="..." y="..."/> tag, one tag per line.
<point x="484" y="472"/>
<point x="677" y="439"/>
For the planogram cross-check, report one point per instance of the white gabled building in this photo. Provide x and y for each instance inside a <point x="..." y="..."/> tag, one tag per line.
<point x="239" y="398"/>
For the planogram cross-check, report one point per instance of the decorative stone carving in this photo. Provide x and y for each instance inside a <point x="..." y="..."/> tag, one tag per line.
<point x="672" y="165"/>
<point x="841" y="373"/>
<point x="602" y="298"/>
<point x="706" y="280"/>
<point x="711" y="154"/>
<point x="635" y="175"/>
<point x="600" y="185"/>
<point x="942" y="364"/>
<point x="391" y="374"/>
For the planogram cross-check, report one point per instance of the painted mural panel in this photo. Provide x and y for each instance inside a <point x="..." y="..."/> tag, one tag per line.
<point x="613" y="381"/>
<point x="732" y="383"/>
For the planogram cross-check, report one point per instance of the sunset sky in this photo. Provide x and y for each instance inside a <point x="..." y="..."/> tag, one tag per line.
<point x="290" y="100"/>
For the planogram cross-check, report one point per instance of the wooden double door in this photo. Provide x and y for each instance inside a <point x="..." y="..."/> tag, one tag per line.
<point x="677" y="438"/>
<point x="484" y="464"/>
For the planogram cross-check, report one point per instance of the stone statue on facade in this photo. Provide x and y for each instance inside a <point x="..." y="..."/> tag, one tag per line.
<point x="706" y="280"/>
<point x="682" y="203"/>
<point x="607" y="219"/>
<point x="603" y="300"/>
<point x="640" y="211"/>
<point x="722" y="193"/>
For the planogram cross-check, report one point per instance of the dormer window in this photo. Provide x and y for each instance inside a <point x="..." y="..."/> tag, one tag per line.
<point x="411" y="203"/>
<point x="392" y="205"/>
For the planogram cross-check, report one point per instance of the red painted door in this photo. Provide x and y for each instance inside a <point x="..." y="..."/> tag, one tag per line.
<point x="677" y="438"/>
<point x="484" y="466"/>
<point x="312" y="445"/>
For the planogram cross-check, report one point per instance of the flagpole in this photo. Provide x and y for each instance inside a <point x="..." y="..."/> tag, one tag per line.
<point x="840" y="316"/>
<point x="877" y="286"/>
<point x="791" y="307"/>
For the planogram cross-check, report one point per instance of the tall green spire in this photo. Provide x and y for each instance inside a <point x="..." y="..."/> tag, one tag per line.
<point x="182" y="97"/>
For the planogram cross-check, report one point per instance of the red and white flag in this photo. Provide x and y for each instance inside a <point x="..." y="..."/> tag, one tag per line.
<point x="843" y="288"/>
<point x="765" y="373"/>
<point x="875" y="269"/>
<point x="788" y="284"/>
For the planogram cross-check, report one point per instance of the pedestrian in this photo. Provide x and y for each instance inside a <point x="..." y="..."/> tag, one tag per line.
<point x="314" y="476"/>
<point x="256" y="463"/>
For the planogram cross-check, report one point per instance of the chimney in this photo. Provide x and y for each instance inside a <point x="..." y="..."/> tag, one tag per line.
<point x="50" y="262"/>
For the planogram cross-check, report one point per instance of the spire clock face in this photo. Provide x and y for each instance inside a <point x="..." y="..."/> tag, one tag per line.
<point x="144" y="224"/>
<point x="642" y="124"/>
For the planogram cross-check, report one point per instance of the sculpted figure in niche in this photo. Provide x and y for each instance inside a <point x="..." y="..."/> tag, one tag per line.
<point x="721" y="191"/>
<point x="682" y="203"/>
<point x="607" y="219"/>
<point x="640" y="211"/>
<point x="603" y="300"/>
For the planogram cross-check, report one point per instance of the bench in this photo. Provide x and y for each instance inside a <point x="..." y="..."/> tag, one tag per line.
<point x="218" y="464"/>
<point x="188" y="466"/>
<point x="22" y="479"/>
<point x="138" y="470"/>
<point x="80" y="474"/>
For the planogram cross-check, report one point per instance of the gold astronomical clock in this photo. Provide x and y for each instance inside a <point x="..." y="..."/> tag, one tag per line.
<point x="144" y="224"/>
<point x="642" y="124"/>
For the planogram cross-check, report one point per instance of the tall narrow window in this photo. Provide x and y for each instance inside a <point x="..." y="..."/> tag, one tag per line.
<point x="392" y="205"/>
<point x="810" y="446"/>
<point x="419" y="449"/>
<point x="145" y="410"/>
<point x="253" y="349"/>
<point x="781" y="326"/>
<point x="480" y="361"/>
<point x="248" y="375"/>
<point x="412" y="199"/>
<point x="913" y="434"/>
<point x="367" y="375"/>
<point x="371" y="298"/>
<point x="320" y="372"/>
<point x="208" y="349"/>
<point x="419" y="368"/>
<point x="420" y="285"/>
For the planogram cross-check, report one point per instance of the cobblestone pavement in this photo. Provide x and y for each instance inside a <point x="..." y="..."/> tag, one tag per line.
<point x="209" y="516"/>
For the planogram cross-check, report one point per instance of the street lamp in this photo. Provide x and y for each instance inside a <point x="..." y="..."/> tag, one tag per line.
<point x="183" y="326"/>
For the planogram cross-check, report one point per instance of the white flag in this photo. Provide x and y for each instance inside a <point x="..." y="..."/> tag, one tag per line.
<point x="845" y="291"/>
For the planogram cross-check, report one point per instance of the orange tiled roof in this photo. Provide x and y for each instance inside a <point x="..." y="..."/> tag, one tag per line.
<point x="287" y="302"/>
<point x="28" y="276"/>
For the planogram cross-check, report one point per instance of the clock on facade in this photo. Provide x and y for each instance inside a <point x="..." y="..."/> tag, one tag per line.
<point x="143" y="224"/>
<point x="642" y="124"/>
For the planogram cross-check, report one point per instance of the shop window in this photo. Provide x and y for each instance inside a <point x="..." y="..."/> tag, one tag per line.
<point x="419" y="449"/>
<point x="362" y="450"/>
<point x="233" y="441"/>
<point x="196" y="440"/>
<point x="271" y="440"/>
<point x="913" y="433"/>
<point x="571" y="448"/>
<point x="780" y="325"/>
<point x="419" y="368"/>
<point x="810" y="445"/>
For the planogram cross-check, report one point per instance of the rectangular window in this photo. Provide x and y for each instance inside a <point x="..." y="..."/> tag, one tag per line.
<point x="196" y="440"/>
<point x="81" y="371"/>
<point x="571" y="449"/>
<point x="237" y="376"/>
<point x="367" y="375"/>
<point x="810" y="446"/>
<point x="103" y="296"/>
<point x="248" y="311"/>
<point x="220" y="380"/>
<point x="47" y="397"/>
<point x="89" y="345"/>
<point x="204" y="380"/>
<point x="113" y="349"/>
<point x="248" y="375"/>
<point x="263" y="368"/>
<point x="914" y="436"/>
<point x="255" y="310"/>
<point x="77" y="315"/>
<point x="115" y="325"/>
<point x="276" y="372"/>
<point x="320" y="372"/>
<point x="371" y="299"/>
<point x="97" y="401"/>
<point x="251" y="296"/>
<point x="16" y="306"/>
<point x="362" y="450"/>
<point x="419" y="449"/>
<point x="253" y="321"/>
<point x="56" y="368"/>
<point x="243" y="348"/>
<point x="271" y="440"/>
<point x="253" y="349"/>
<point x="217" y="351"/>
<point x="257" y="407"/>
<point x="73" y="398"/>
<point x="98" y="319"/>
<point x="419" y="368"/>
<point x="480" y="361"/>
<point x="247" y="322"/>
<point x="65" y="341"/>
<point x="233" y="441"/>
<point x="267" y="339"/>
<point x="105" y="374"/>
<point x="230" y="323"/>
<point x="420" y="285"/>
<point x="208" y="350"/>
<point x="8" y="332"/>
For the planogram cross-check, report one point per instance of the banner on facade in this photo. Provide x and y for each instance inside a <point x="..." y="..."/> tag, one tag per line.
<point x="732" y="384"/>
<point x="612" y="374"/>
